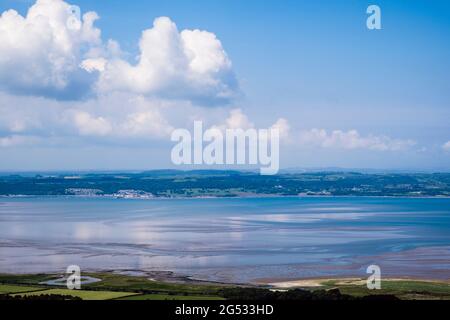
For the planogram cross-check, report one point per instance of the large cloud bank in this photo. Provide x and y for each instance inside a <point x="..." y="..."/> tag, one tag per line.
<point x="59" y="78"/>
<point x="60" y="81"/>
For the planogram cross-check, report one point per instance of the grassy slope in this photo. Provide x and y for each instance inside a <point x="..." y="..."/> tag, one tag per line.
<point x="83" y="294"/>
<point x="404" y="289"/>
<point x="7" y="288"/>
<point x="112" y="281"/>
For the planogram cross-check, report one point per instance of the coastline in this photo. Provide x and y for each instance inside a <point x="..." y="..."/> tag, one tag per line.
<point x="255" y="196"/>
<point x="345" y="280"/>
<point x="170" y="277"/>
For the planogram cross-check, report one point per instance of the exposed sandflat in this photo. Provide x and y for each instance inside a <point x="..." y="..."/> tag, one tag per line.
<point x="306" y="283"/>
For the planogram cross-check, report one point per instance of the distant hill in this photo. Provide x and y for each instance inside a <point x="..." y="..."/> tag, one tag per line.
<point x="224" y="183"/>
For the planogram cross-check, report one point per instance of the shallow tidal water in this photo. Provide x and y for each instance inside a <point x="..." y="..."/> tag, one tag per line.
<point x="231" y="239"/>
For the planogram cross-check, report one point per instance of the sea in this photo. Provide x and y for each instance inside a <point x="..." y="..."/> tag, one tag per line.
<point x="236" y="240"/>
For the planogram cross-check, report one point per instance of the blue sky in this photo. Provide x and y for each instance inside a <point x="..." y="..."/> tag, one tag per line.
<point x="312" y="63"/>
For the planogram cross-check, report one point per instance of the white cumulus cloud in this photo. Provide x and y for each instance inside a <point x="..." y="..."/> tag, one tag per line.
<point x="284" y="128"/>
<point x="237" y="120"/>
<point x="46" y="53"/>
<point x="190" y="64"/>
<point x="103" y="118"/>
<point x="40" y="53"/>
<point x="90" y="125"/>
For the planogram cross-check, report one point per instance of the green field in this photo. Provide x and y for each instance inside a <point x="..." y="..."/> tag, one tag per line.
<point x="404" y="289"/>
<point x="83" y="294"/>
<point x="5" y="288"/>
<point x="17" y="290"/>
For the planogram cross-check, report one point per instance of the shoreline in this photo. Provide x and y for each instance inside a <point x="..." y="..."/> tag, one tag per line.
<point x="171" y="277"/>
<point x="345" y="280"/>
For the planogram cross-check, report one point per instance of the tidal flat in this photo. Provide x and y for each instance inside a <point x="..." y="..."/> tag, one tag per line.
<point x="229" y="240"/>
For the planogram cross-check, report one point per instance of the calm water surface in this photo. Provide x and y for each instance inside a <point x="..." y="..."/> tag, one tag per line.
<point x="235" y="240"/>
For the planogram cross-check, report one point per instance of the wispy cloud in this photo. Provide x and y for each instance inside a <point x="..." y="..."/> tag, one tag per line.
<point x="446" y="146"/>
<point x="351" y="139"/>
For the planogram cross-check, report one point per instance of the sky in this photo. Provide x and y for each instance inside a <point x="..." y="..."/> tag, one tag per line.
<point x="107" y="93"/>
